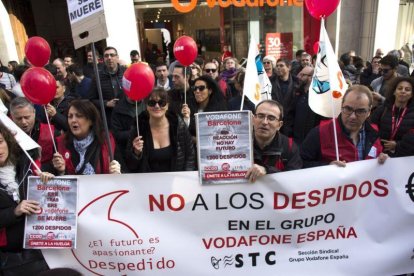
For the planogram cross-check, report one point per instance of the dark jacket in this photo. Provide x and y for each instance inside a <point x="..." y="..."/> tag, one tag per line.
<point x="404" y="137"/>
<point x="316" y="146"/>
<point x="60" y="120"/>
<point x="286" y="100"/>
<point x="14" y="225"/>
<point x="176" y="99"/>
<point x="123" y="120"/>
<point x="180" y="138"/>
<point x="111" y="85"/>
<point x="367" y="76"/>
<point x="304" y="119"/>
<point x="281" y="154"/>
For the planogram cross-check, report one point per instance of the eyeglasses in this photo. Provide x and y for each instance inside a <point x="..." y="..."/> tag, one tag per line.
<point x="199" y="88"/>
<point x="262" y="116"/>
<point x="161" y="103"/>
<point x="110" y="55"/>
<point x="210" y="70"/>
<point x="347" y="110"/>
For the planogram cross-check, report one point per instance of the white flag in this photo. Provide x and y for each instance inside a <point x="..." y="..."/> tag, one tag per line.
<point x="257" y="86"/>
<point x="328" y="84"/>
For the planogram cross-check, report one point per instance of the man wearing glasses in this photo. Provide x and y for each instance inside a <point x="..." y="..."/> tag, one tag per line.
<point x="273" y="151"/>
<point x="111" y="83"/>
<point x="357" y="139"/>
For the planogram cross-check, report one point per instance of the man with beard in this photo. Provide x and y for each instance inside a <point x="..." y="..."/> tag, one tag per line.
<point x="273" y="151"/>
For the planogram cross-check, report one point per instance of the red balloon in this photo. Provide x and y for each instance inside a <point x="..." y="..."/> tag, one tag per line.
<point x="138" y="81"/>
<point x="185" y="50"/>
<point x="38" y="85"/>
<point x="316" y="47"/>
<point x="321" y="8"/>
<point x="37" y="51"/>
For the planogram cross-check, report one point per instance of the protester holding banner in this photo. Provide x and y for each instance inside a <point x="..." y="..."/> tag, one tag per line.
<point x="273" y="151"/>
<point x="83" y="149"/>
<point x="356" y="138"/>
<point x="395" y="118"/>
<point x="14" y="170"/>
<point x="164" y="143"/>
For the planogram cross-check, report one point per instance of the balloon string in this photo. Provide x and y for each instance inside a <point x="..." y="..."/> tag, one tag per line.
<point x="50" y="129"/>
<point x="136" y="114"/>
<point x="185" y="85"/>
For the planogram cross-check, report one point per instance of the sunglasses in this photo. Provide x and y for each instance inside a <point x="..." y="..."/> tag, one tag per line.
<point x="153" y="103"/>
<point x="266" y="62"/>
<point x="210" y="70"/>
<point x="199" y="88"/>
<point x="110" y="55"/>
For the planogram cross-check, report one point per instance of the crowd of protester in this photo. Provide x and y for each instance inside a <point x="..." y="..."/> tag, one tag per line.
<point x="376" y="121"/>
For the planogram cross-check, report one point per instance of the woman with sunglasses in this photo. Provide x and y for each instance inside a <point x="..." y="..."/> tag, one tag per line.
<point x="207" y="98"/>
<point x="83" y="149"/>
<point x="164" y="143"/>
<point x="195" y="73"/>
<point x="395" y="118"/>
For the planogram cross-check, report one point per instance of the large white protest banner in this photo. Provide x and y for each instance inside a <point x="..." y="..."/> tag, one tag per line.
<point x="356" y="220"/>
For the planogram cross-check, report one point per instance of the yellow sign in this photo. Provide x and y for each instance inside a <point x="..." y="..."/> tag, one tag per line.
<point x="237" y="3"/>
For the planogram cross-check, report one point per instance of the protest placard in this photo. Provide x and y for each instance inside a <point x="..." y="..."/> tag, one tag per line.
<point x="225" y="146"/>
<point x="55" y="226"/>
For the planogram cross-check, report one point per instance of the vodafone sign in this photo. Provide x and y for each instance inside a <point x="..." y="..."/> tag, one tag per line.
<point x="187" y="7"/>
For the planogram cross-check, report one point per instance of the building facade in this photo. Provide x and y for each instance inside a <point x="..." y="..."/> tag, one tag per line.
<point x="359" y="25"/>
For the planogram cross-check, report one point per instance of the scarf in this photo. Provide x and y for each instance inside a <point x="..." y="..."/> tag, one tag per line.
<point x="228" y="74"/>
<point x="81" y="146"/>
<point x="8" y="181"/>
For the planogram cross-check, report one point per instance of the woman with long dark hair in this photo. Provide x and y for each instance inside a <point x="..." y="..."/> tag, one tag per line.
<point x="164" y="144"/>
<point x="15" y="167"/>
<point x="83" y="149"/>
<point x="395" y="118"/>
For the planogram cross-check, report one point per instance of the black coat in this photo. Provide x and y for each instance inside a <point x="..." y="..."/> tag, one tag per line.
<point x="111" y="85"/>
<point x="14" y="225"/>
<point x="404" y="137"/>
<point x="286" y="100"/>
<point x="183" y="147"/>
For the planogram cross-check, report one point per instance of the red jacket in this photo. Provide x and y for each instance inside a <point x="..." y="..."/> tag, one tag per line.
<point x="67" y="153"/>
<point x="347" y="150"/>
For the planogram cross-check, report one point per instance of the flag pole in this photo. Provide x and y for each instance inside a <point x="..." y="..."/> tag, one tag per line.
<point x="103" y="113"/>
<point x="333" y="108"/>
<point x="242" y="101"/>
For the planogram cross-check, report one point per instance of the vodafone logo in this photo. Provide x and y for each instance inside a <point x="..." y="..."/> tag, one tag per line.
<point x="184" y="8"/>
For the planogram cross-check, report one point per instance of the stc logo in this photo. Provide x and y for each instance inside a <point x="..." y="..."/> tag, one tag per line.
<point x="240" y="260"/>
<point x="410" y="186"/>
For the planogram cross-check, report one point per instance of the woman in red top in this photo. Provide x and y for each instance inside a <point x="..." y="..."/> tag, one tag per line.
<point x="83" y="149"/>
